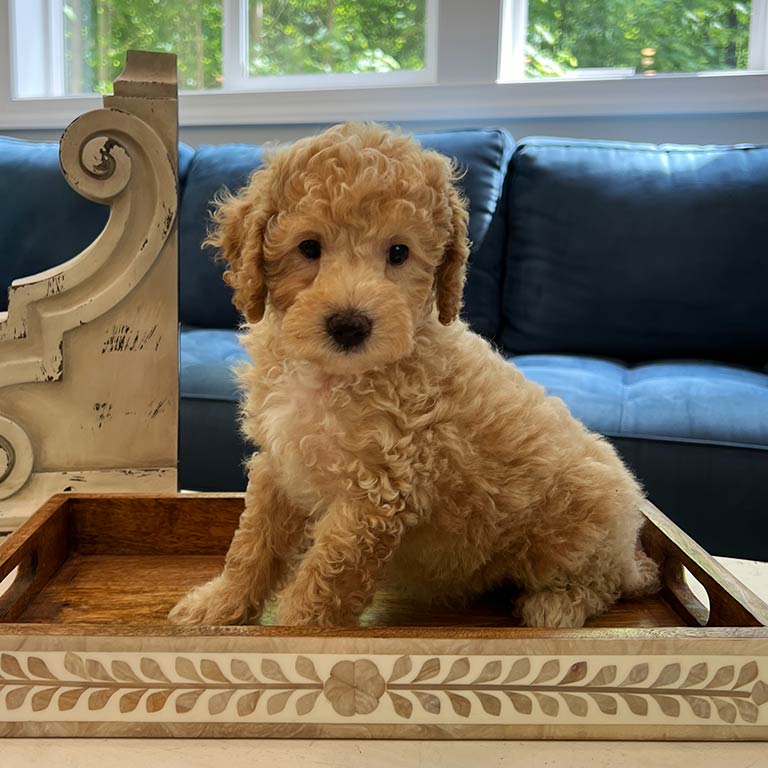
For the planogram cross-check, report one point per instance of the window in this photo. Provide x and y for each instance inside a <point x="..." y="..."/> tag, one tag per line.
<point x="332" y="36"/>
<point x="240" y="45"/>
<point x="610" y="38"/>
<point x="251" y="62"/>
<point x="640" y="37"/>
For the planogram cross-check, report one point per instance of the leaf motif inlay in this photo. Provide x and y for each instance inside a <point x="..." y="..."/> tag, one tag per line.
<point x="490" y="672"/>
<point x="429" y="701"/>
<point x="722" y="677"/>
<point x="402" y="706"/>
<point x="218" y="703"/>
<point x="151" y="669"/>
<point x="747" y="674"/>
<point x="211" y="670"/>
<point x="458" y="669"/>
<point x="401" y="668"/>
<point x="549" y="671"/>
<point x="38" y="668"/>
<point x="246" y="705"/>
<point x="430" y="669"/>
<point x="10" y="665"/>
<point x="186" y="701"/>
<point x="305" y="703"/>
<point x="306" y="668"/>
<point x="271" y="669"/>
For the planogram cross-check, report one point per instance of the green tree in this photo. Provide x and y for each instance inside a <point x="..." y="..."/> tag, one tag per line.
<point x="316" y="36"/>
<point x="98" y="33"/>
<point x="683" y="35"/>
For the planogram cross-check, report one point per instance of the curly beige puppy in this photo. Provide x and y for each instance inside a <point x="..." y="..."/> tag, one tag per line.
<point x="396" y="445"/>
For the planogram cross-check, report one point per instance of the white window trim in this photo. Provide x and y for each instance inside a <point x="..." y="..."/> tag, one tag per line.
<point x="464" y="86"/>
<point x="758" y="35"/>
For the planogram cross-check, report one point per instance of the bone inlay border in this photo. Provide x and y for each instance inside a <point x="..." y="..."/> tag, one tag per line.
<point x="328" y="688"/>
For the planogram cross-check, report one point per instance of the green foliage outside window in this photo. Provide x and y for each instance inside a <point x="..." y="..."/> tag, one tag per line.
<point x="321" y="36"/>
<point x="98" y="32"/>
<point x="643" y="35"/>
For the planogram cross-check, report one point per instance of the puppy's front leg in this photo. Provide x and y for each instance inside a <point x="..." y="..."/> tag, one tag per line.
<point x="269" y="532"/>
<point x="337" y="577"/>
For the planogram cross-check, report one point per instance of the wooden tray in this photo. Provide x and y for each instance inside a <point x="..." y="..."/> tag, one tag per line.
<point x="85" y="649"/>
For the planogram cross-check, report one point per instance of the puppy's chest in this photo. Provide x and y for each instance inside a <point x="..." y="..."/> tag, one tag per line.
<point x="325" y="438"/>
<point x="297" y="408"/>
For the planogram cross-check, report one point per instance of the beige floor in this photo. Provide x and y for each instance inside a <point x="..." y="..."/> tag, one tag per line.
<point x="102" y="753"/>
<point x="169" y="753"/>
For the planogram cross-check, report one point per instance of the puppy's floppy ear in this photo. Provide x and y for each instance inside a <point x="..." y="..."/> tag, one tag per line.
<point x="449" y="280"/>
<point x="238" y="232"/>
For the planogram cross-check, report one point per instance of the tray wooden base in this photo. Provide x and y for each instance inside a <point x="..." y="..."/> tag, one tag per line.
<point x="85" y="649"/>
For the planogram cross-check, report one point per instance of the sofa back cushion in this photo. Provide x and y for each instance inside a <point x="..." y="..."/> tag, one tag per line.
<point x="637" y="251"/>
<point x="204" y="299"/>
<point x="43" y="221"/>
<point x="483" y="156"/>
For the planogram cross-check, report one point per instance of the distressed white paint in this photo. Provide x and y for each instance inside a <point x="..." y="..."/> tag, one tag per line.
<point x="88" y="349"/>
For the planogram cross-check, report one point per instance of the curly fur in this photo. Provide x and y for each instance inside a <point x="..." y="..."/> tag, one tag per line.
<point x="422" y="459"/>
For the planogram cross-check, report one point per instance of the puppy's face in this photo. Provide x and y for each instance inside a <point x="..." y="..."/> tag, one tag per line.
<point x="352" y="237"/>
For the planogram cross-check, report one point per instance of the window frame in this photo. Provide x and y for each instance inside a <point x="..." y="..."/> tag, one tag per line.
<point x="514" y="27"/>
<point x="463" y="84"/>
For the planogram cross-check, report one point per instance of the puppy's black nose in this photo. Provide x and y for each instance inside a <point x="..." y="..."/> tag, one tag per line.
<point x="349" y="329"/>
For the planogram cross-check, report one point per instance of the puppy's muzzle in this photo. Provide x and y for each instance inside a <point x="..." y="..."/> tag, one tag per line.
<point x="349" y="329"/>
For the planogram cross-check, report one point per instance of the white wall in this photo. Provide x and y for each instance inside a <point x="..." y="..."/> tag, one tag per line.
<point x="685" y="129"/>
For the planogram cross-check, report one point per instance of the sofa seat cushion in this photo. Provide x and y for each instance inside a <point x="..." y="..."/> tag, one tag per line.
<point x="700" y="402"/>
<point x="637" y="252"/>
<point x="482" y="157"/>
<point x="681" y="401"/>
<point x="206" y="360"/>
<point x="212" y="452"/>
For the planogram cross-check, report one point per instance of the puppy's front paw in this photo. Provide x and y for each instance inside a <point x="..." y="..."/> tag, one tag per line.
<point x="294" y="610"/>
<point x="550" y="608"/>
<point x="292" y="613"/>
<point x="216" y="602"/>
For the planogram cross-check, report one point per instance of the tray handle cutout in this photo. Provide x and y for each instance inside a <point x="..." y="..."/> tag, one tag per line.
<point x="15" y="583"/>
<point x="690" y="596"/>
<point x="33" y="553"/>
<point x="731" y="604"/>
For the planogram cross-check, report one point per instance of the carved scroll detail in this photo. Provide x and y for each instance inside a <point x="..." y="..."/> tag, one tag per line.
<point x="15" y="457"/>
<point x="96" y="152"/>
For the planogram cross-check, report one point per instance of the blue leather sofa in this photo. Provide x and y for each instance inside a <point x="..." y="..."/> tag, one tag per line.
<point x="630" y="280"/>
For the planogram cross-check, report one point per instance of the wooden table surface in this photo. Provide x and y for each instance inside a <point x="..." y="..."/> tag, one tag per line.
<point x="181" y="753"/>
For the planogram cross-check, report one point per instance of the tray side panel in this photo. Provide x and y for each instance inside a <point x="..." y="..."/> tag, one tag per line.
<point x="580" y="687"/>
<point x="154" y="525"/>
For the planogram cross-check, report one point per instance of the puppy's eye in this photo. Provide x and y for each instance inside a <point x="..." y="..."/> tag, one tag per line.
<point x="310" y="248"/>
<point x="397" y="254"/>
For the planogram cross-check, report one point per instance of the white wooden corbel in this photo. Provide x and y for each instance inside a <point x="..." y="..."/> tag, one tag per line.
<point x="88" y="349"/>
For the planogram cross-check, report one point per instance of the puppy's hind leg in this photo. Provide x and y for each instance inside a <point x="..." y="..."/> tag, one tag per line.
<point x="591" y="592"/>
<point x="570" y="599"/>
<point x="640" y="574"/>
<point x="567" y="606"/>
<point x="269" y="532"/>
